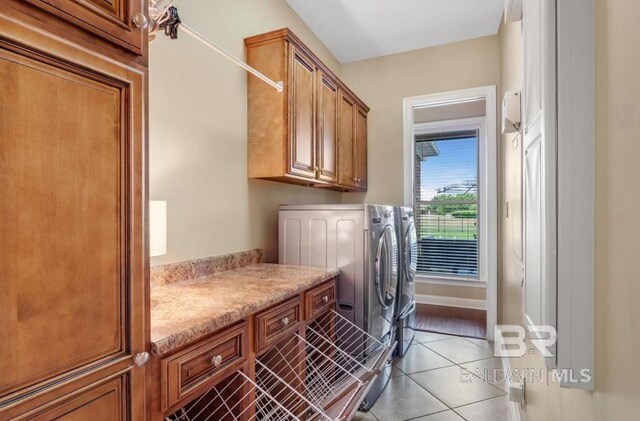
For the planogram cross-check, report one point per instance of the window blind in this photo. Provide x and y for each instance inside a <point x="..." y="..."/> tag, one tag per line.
<point x="446" y="203"/>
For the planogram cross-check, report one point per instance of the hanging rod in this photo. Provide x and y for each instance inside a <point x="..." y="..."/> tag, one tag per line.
<point x="189" y="31"/>
<point x="167" y="18"/>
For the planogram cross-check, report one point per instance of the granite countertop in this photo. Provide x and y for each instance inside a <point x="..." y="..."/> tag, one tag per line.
<point x="184" y="312"/>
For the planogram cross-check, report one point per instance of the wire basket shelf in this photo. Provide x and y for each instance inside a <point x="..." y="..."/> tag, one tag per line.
<point x="224" y="402"/>
<point x="321" y="374"/>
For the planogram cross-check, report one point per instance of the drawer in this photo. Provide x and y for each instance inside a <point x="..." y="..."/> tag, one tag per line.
<point x="277" y="323"/>
<point x="320" y="299"/>
<point x="202" y="365"/>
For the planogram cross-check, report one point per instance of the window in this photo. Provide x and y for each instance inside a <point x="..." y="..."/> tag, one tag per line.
<point x="446" y="203"/>
<point x="449" y="129"/>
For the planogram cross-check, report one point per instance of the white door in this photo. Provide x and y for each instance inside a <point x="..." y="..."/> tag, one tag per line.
<point x="539" y="162"/>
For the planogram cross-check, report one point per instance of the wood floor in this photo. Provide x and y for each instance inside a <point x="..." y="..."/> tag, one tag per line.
<point x="451" y="320"/>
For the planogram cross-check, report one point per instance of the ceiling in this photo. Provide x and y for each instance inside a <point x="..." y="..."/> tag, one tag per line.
<point x="360" y="29"/>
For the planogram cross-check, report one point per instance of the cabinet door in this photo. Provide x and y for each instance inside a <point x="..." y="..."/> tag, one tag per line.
<point x="108" y="19"/>
<point x="346" y="113"/>
<point x="327" y="136"/>
<point x="301" y="115"/>
<point x="72" y="265"/>
<point x="360" y="150"/>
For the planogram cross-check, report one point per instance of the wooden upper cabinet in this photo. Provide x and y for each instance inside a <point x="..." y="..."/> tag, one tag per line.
<point x="111" y="20"/>
<point x="302" y="154"/>
<point x="72" y="261"/>
<point x="346" y="141"/>
<point x="327" y="128"/>
<point x="295" y="136"/>
<point x="360" y="149"/>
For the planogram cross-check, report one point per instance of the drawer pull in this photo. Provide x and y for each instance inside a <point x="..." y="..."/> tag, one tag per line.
<point x="141" y="358"/>
<point x="285" y="321"/>
<point x="325" y="299"/>
<point x="216" y="361"/>
<point x="140" y="20"/>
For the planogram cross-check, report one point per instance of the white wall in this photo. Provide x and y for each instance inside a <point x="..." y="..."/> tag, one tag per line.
<point x="198" y="133"/>
<point x="383" y="82"/>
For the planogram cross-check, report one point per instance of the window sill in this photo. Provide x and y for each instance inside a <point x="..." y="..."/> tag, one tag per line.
<point x="450" y="281"/>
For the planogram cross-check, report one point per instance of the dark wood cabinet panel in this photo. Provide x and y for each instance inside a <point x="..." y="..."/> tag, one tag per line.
<point x="274" y="324"/>
<point x="360" y="149"/>
<point x="193" y="370"/>
<point x="346" y="175"/>
<point x="301" y="117"/>
<point x="108" y="19"/>
<point x="101" y="402"/>
<point x="72" y="237"/>
<point x="327" y="128"/>
<point x="320" y="299"/>
<point x="295" y="136"/>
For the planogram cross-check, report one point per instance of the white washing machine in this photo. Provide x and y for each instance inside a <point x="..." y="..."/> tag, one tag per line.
<point x="361" y="241"/>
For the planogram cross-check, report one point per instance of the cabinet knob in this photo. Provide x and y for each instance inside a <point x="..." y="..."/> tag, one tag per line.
<point x="140" y="20"/>
<point x="141" y="358"/>
<point x="325" y="299"/>
<point x="216" y="361"/>
<point x="285" y="321"/>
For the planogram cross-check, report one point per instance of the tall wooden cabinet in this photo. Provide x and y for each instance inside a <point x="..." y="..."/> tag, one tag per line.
<point x="313" y="133"/>
<point x="72" y="251"/>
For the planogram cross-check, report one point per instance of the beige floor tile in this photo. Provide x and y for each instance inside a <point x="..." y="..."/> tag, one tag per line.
<point x="395" y="372"/>
<point x="404" y="399"/>
<point x="460" y="350"/>
<point x="423" y="337"/>
<point x="441" y="416"/>
<point x="489" y="370"/>
<point x="490" y="410"/>
<point x="456" y="386"/>
<point x="481" y="342"/>
<point x="364" y="416"/>
<point x="419" y="358"/>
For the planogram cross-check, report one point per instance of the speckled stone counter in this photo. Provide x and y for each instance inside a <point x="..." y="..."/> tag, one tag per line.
<point x="186" y="311"/>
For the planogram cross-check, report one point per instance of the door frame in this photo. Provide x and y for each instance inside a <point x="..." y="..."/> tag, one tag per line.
<point x="488" y="160"/>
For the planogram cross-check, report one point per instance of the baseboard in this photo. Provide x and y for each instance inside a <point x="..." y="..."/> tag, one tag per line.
<point x="514" y="408"/>
<point x="438" y="300"/>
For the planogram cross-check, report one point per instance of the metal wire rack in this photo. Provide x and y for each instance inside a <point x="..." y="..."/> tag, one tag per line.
<point x="223" y="402"/>
<point x="320" y="374"/>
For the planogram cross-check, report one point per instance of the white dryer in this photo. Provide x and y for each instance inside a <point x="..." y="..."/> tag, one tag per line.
<point x="360" y="240"/>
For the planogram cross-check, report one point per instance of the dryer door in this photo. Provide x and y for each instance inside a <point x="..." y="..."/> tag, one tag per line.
<point x="386" y="267"/>
<point x="410" y="248"/>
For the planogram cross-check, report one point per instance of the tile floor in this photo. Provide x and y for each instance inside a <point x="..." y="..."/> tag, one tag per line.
<point x="427" y="384"/>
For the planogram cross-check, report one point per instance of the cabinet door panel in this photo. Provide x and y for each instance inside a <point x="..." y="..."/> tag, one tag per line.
<point x="327" y="129"/>
<point x="346" y="141"/>
<point x="108" y="19"/>
<point x="102" y="402"/>
<point x="302" y="114"/>
<point x="71" y="260"/>
<point x="360" y="150"/>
